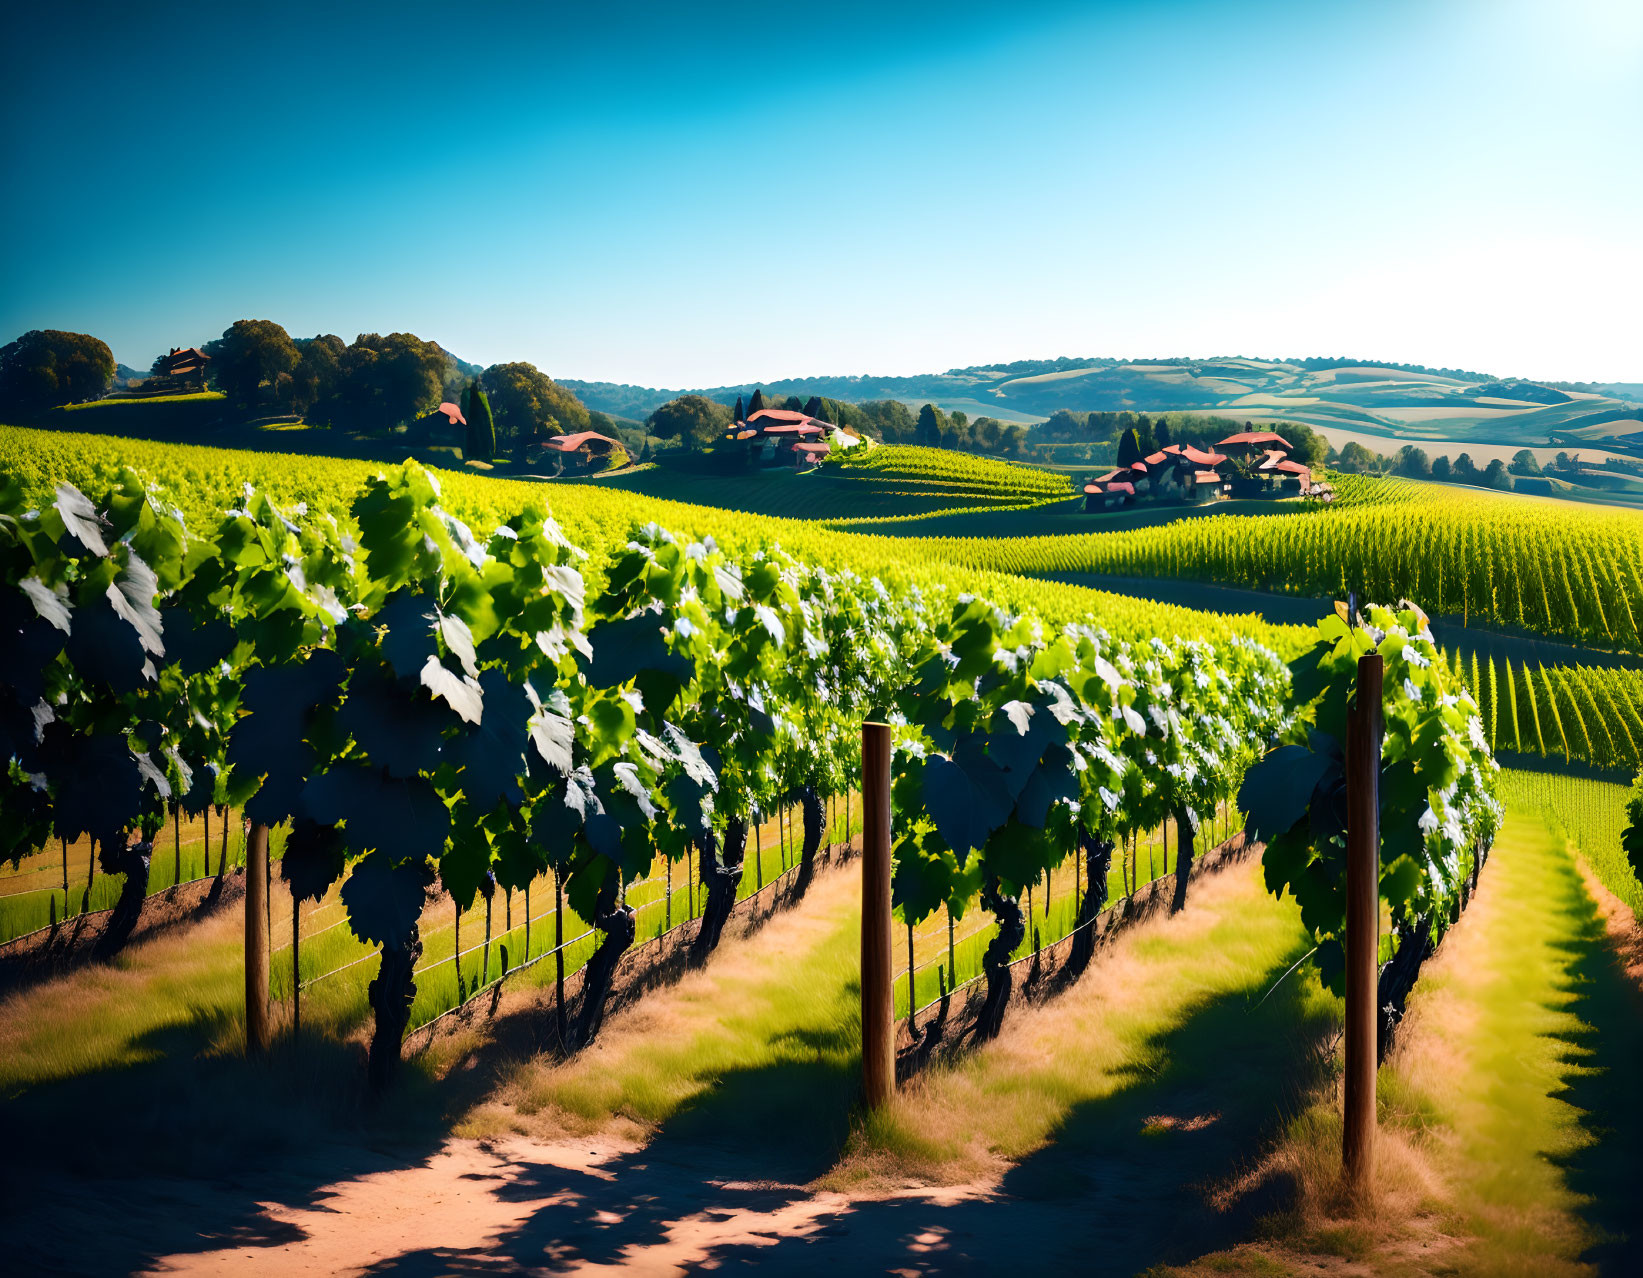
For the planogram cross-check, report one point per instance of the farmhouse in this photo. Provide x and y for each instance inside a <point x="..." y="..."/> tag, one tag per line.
<point x="782" y="437"/>
<point x="1177" y="472"/>
<point x="583" y="450"/>
<point x="185" y="367"/>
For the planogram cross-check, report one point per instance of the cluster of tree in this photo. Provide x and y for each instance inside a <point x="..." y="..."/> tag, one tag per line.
<point x="1414" y="463"/>
<point x="46" y="368"/>
<point x="695" y="421"/>
<point x="936" y="429"/>
<point x="1139" y="436"/>
<point x="377" y="383"/>
<point x="1323" y="364"/>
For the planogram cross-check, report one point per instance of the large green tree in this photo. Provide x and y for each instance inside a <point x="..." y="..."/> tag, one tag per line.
<point x="318" y="372"/>
<point x="1524" y="462"/>
<point x="45" y="367"/>
<point x="693" y="420"/>
<point x="530" y="405"/>
<point x="1413" y="462"/>
<point x="248" y="361"/>
<point x="1305" y="444"/>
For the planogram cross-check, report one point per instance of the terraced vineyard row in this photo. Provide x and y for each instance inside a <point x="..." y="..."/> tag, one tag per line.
<point x="985" y="477"/>
<point x="1586" y="713"/>
<point x="1574" y="572"/>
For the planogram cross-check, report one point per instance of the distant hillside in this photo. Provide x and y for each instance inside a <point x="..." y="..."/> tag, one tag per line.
<point x="1405" y="401"/>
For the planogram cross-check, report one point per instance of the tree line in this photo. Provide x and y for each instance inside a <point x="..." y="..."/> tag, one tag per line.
<point x="374" y="384"/>
<point x="696" y="421"/>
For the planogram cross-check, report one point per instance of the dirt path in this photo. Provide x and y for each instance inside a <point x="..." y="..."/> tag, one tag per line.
<point x="706" y="1128"/>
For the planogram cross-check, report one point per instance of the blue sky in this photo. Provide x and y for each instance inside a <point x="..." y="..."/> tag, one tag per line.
<point x="697" y="194"/>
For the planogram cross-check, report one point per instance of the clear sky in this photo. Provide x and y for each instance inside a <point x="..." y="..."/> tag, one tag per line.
<point x="689" y="194"/>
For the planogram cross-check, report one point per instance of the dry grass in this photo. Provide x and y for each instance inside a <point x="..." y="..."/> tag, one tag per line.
<point x="1478" y="1136"/>
<point x="1112" y="1042"/>
<point x="783" y="999"/>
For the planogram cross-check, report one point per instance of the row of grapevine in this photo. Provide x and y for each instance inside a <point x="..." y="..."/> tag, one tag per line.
<point x="1439" y="804"/>
<point x="1480" y="556"/>
<point x="1591" y="714"/>
<point x="985" y="476"/>
<point x="418" y="706"/>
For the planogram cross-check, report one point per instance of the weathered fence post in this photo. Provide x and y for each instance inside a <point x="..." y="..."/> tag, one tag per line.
<point x="1363" y="901"/>
<point x="256" y="942"/>
<point x="878" y="1045"/>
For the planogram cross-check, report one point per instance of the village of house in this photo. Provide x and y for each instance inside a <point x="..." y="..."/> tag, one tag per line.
<point x="1252" y="463"/>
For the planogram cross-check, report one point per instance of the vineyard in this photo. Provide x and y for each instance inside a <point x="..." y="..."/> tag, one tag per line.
<point x="421" y="707"/>
<point x="982" y="478"/>
<point x="451" y="745"/>
<point x="1571" y="572"/>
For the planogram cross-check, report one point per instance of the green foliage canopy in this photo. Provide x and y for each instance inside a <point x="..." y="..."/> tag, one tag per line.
<point x="45" y="368"/>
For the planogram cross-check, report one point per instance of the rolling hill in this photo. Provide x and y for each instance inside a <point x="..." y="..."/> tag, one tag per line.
<point x="1404" y="402"/>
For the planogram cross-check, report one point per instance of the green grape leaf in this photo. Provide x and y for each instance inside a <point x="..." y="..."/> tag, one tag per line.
<point x="403" y="817"/>
<point x="313" y="860"/>
<point x="384" y="899"/>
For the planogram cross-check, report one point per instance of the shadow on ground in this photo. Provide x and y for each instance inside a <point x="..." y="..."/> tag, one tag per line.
<point x="1120" y="1188"/>
<point x="1606" y="1048"/>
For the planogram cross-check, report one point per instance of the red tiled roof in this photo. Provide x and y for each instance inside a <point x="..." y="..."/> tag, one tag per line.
<point x="453" y="414"/>
<point x="1121" y="488"/>
<point x="1254" y="437"/>
<point x="1198" y="457"/>
<point x="570" y="443"/>
<point x="1154" y="458"/>
<point x="1206" y="477"/>
<point x="1092" y="488"/>
<point x="796" y="428"/>
<point x="1292" y="468"/>
<point x="1140" y="466"/>
<point x="780" y="415"/>
<point x="1172" y="448"/>
<point x="746" y="434"/>
<point x="1109" y="476"/>
<point x="813" y="447"/>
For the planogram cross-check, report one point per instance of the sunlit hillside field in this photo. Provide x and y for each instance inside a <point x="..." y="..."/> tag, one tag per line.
<point x="1571" y="571"/>
<point x="891" y="482"/>
<point x="203" y="481"/>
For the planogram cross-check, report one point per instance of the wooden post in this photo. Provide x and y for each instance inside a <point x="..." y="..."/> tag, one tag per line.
<point x="878" y="1008"/>
<point x="256" y="942"/>
<point x="1363" y="900"/>
<point x="296" y="966"/>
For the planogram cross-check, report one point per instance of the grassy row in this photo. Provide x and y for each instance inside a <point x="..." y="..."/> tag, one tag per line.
<point x="32" y="895"/>
<point x="1051" y="910"/>
<point x="335" y="967"/>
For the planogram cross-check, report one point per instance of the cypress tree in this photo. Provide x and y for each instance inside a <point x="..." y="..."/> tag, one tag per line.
<point x="814" y="407"/>
<point x="756" y="404"/>
<point x="741" y="413"/>
<point x="1129" y="448"/>
<point x="481" y="442"/>
<point x="929" y="426"/>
